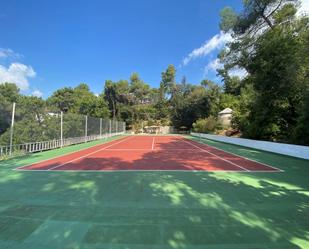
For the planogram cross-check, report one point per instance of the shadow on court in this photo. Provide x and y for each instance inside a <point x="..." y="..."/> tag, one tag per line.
<point x="156" y="209"/>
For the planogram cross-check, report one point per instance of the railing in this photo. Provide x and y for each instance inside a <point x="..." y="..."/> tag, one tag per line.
<point x="44" y="130"/>
<point x="19" y="149"/>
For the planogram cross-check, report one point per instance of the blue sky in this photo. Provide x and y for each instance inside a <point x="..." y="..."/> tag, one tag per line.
<point x="46" y="45"/>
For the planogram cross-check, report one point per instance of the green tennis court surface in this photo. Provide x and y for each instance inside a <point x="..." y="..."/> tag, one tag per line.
<point x="153" y="209"/>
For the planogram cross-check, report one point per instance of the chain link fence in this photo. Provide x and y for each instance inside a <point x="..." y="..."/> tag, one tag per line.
<point x="23" y="130"/>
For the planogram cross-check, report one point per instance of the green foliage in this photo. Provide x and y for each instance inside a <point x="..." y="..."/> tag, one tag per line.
<point x="62" y="99"/>
<point x="139" y="90"/>
<point x="242" y="106"/>
<point x="78" y="100"/>
<point x="196" y="105"/>
<point x="32" y="122"/>
<point x="73" y="125"/>
<point x="279" y="92"/>
<point x="271" y="44"/>
<point x="167" y="84"/>
<point x="270" y="103"/>
<point x="301" y="131"/>
<point x="232" y="85"/>
<point x="287" y="12"/>
<point x="9" y="93"/>
<point x="229" y="101"/>
<point x="206" y="125"/>
<point x="228" y="19"/>
<point x="213" y="92"/>
<point x="116" y="94"/>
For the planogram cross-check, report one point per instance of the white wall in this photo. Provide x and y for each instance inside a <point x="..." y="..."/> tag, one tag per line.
<point x="166" y="129"/>
<point x="225" y="119"/>
<point x="285" y="149"/>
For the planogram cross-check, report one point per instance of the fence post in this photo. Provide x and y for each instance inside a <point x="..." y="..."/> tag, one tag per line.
<point x="86" y="127"/>
<point x="12" y="126"/>
<point x="61" y="129"/>
<point x="124" y="127"/>
<point x="110" y="128"/>
<point x="116" y="127"/>
<point x="100" y="127"/>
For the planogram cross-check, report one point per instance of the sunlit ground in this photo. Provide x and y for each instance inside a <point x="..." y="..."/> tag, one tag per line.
<point x="132" y="210"/>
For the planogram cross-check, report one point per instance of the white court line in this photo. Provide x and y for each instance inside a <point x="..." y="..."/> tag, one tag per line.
<point x="216" y="155"/>
<point x="150" y="170"/>
<point x="70" y="152"/>
<point x="155" y="149"/>
<point x="77" y="158"/>
<point x="269" y="166"/>
<point x="153" y="143"/>
<point x="107" y="171"/>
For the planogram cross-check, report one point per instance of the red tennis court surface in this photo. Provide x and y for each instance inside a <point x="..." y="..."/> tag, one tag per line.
<point x="150" y="153"/>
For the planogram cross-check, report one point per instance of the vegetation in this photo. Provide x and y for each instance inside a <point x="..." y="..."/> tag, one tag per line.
<point x="206" y="125"/>
<point x="271" y="102"/>
<point x="270" y="43"/>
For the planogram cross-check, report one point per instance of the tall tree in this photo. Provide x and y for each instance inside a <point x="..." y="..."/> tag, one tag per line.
<point x="270" y="43"/>
<point x="62" y="99"/>
<point x="110" y="96"/>
<point x="167" y="84"/>
<point x="116" y="95"/>
<point x="138" y="89"/>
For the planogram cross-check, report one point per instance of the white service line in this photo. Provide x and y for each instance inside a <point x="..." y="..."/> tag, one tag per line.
<point x="216" y="155"/>
<point x="65" y="154"/>
<point x="269" y="166"/>
<point x="75" y="159"/>
<point x="153" y="143"/>
<point x="156" y="149"/>
<point x="151" y="170"/>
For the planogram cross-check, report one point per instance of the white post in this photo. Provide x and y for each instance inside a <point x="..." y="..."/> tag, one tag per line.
<point x="12" y="126"/>
<point x="100" y="127"/>
<point x="86" y="127"/>
<point x="110" y="128"/>
<point x="124" y="127"/>
<point x="61" y="129"/>
<point x="116" y="127"/>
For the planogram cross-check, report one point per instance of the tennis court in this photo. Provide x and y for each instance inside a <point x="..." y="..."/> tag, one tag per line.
<point x="151" y="153"/>
<point x="153" y="192"/>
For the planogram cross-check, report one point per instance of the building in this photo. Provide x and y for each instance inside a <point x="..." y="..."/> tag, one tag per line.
<point x="225" y="116"/>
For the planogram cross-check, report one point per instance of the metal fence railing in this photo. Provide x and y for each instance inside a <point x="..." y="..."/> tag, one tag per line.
<point x="28" y="132"/>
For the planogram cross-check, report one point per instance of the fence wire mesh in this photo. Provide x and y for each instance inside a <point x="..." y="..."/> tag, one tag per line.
<point x="38" y="130"/>
<point x="73" y="125"/>
<point x="5" y="122"/>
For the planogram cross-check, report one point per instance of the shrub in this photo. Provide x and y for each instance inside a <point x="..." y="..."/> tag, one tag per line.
<point x="206" y="125"/>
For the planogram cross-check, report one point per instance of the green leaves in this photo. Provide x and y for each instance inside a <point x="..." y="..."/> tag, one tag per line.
<point x="78" y="100"/>
<point x="167" y="84"/>
<point x="228" y="19"/>
<point x="207" y="125"/>
<point x="271" y="43"/>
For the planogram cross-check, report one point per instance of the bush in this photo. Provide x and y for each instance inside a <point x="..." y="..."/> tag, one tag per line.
<point x="206" y="125"/>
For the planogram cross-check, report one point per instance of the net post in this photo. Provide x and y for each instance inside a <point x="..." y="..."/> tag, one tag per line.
<point x="100" y="127"/>
<point x="12" y="126"/>
<point x="86" y="127"/>
<point x="61" y="129"/>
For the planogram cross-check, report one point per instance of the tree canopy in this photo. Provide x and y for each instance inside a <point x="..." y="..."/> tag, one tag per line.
<point x="269" y="41"/>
